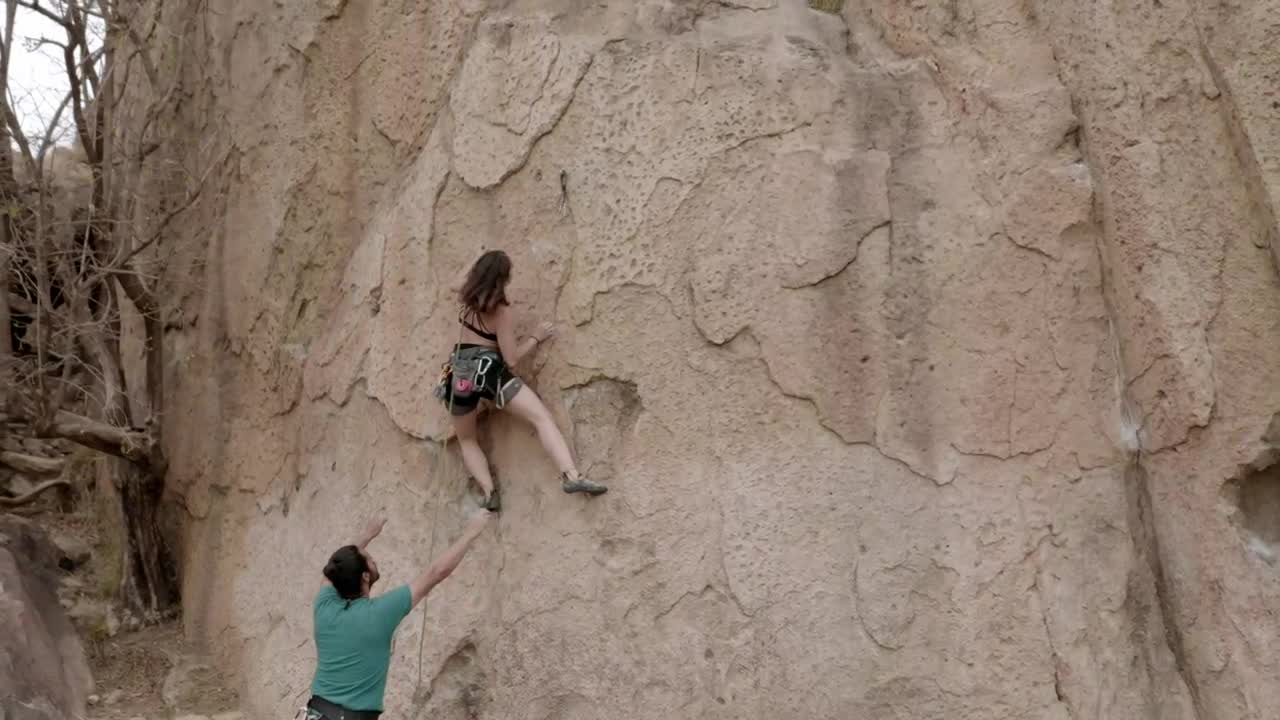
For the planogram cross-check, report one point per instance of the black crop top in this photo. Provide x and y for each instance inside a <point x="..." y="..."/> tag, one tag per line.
<point x="491" y="337"/>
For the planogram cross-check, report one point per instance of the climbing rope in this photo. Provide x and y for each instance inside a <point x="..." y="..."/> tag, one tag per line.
<point x="435" y="522"/>
<point x="441" y="459"/>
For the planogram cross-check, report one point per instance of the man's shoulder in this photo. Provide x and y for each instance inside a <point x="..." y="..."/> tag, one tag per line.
<point x="397" y="595"/>
<point x="396" y="602"/>
<point x="325" y="594"/>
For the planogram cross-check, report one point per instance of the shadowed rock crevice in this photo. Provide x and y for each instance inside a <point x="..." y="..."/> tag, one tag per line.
<point x="1143" y="527"/>
<point x="603" y="412"/>
<point x="1253" y="497"/>
<point x="459" y="691"/>
<point x="1256" y="497"/>
<point x="1256" y="175"/>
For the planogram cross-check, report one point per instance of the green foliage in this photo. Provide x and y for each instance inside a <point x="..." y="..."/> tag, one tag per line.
<point x="81" y="471"/>
<point x="97" y="636"/>
<point x="110" y="561"/>
<point x="829" y="6"/>
<point x="108" y="553"/>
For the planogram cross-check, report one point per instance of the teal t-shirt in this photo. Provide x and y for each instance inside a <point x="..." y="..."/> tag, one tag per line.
<point x="353" y="645"/>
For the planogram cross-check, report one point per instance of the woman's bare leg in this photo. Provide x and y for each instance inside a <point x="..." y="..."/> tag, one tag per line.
<point x="528" y="406"/>
<point x="464" y="426"/>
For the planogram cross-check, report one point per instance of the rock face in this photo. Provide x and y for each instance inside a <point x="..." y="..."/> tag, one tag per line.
<point x="43" y="671"/>
<point x="930" y="350"/>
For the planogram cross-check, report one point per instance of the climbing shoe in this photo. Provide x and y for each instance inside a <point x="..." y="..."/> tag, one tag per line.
<point x="581" y="484"/>
<point x="490" y="503"/>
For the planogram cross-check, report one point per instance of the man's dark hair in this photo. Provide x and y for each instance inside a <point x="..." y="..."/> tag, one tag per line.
<point x="345" y="569"/>
<point x="486" y="284"/>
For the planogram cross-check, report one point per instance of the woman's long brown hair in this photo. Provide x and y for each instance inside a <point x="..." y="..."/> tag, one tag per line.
<point x="486" y="285"/>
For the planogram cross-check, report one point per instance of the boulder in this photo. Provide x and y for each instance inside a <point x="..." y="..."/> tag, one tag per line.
<point x="75" y="552"/>
<point x="99" y="615"/>
<point x="43" y="671"/>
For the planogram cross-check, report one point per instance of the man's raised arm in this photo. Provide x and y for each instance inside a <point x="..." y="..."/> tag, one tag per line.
<point x="371" y="531"/>
<point x="442" y="566"/>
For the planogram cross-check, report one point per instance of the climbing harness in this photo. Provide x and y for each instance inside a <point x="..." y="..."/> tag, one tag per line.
<point x="465" y="375"/>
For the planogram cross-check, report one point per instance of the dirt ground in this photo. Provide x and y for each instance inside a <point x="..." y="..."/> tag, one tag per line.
<point x="147" y="673"/>
<point x="153" y="673"/>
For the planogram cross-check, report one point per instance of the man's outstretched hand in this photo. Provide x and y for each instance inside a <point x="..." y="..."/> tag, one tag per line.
<point x="479" y="520"/>
<point x="442" y="566"/>
<point x="371" y="531"/>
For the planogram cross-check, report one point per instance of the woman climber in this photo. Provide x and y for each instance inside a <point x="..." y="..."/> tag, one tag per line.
<point x="480" y="367"/>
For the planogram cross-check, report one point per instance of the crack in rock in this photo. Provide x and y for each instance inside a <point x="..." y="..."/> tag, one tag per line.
<point x="504" y="51"/>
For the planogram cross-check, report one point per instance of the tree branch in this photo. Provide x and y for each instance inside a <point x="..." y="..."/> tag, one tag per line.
<point x="99" y="342"/>
<point x="31" y="464"/>
<point x="153" y="76"/>
<point x="46" y="143"/>
<point x="125" y="443"/>
<point x="77" y="16"/>
<point x="15" y="131"/>
<point x="163" y="225"/>
<point x="6" y="49"/>
<point x="35" y="5"/>
<point x="6" y="325"/>
<point x="77" y="98"/>
<point x="41" y="42"/>
<point x="78" y="34"/>
<point x="19" y="304"/>
<point x="8" y="183"/>
<point x="153" y="329"/>
<point x="31" y="496"/>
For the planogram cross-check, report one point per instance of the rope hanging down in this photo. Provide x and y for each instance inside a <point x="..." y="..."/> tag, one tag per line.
<point x="422" y="633"/>
<point x="441" y="459"/>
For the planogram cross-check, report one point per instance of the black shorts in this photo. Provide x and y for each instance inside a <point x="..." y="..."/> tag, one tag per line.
<point x="496" y="384"/>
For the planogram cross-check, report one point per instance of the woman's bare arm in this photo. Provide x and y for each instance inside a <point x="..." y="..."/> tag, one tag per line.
<point x="513" y="352"/>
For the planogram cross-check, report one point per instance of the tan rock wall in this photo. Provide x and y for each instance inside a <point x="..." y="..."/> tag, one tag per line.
<point x="920" y="345"/>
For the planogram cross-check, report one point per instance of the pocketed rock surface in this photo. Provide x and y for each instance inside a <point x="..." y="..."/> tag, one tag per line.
<point x="929" y="350"/>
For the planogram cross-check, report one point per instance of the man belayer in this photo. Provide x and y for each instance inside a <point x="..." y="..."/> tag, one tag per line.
<point x="353" y="629"/>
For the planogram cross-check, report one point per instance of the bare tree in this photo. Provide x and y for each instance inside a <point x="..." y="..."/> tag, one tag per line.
<point x="80" y="257"/>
